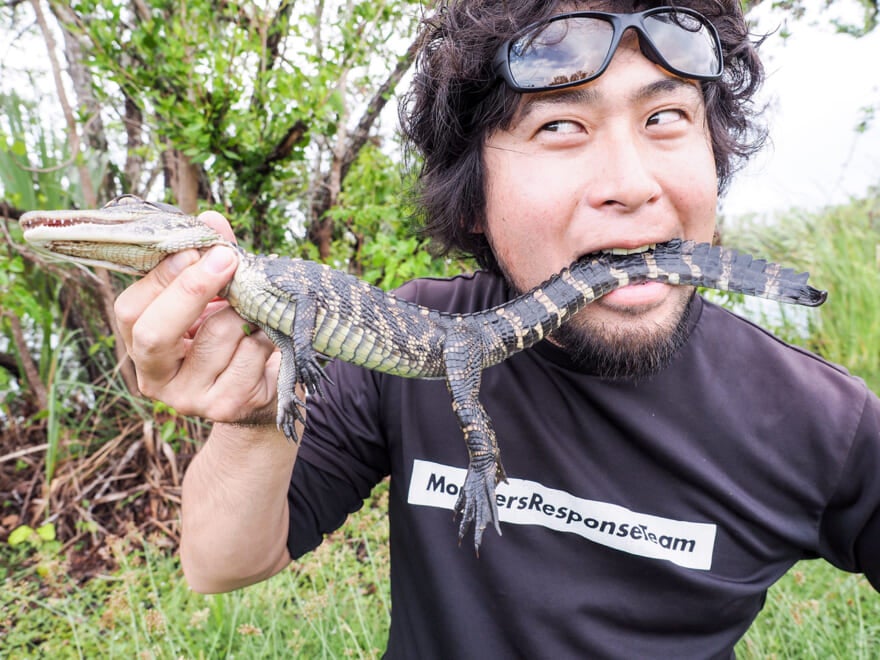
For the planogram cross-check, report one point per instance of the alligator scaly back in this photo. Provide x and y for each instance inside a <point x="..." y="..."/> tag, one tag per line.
<point x="309" y="309"/>
<point x="529" y="318"/>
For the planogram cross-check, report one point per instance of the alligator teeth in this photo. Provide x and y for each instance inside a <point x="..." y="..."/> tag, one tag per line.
<point x="643" y="248"/>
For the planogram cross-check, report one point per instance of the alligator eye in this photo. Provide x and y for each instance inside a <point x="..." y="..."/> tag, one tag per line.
<point x="123" y="200"/>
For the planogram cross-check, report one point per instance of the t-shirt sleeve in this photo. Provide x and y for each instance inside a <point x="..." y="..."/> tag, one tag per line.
<point x="850" y="525"/>
<point x="342" y="457"/>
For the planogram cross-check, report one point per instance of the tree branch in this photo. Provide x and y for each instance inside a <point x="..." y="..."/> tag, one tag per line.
<point x="361" y="133"/>
<point x="31" y="373"/>
<point x="85" y="179"/>
<point x="285" y="145"/>
<point x="277" y="31"/>
<point x="7" y="210"/>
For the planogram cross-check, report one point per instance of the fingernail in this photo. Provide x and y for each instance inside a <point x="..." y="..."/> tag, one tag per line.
<point x="217" y="260"/>
<point x="180" y="260"/>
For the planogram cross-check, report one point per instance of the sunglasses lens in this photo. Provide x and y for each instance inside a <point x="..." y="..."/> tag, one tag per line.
<point x="575" y="48"/>
<point x="686" y="43"/>
<point x="569" y="50"/>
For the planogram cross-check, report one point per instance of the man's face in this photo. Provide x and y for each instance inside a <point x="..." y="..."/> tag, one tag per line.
<point x="621" y="162"/>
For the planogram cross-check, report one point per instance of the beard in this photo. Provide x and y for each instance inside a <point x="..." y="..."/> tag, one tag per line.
<point x="631" y="353"/>
<point x="631" y="350"/>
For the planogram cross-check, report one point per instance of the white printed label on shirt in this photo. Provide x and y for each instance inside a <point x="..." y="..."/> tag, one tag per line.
<point x="522" y="502"/>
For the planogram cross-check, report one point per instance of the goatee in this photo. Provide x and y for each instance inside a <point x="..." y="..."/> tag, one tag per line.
<point x="634" y="354"/>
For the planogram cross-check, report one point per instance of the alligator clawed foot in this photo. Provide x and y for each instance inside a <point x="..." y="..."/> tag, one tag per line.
<point x="290" y="410"/>
<point x="311" y="375"/>
<point x="476" y="502"/>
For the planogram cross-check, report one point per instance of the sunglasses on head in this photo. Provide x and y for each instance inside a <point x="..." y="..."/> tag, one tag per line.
<point x="576" y="47"/>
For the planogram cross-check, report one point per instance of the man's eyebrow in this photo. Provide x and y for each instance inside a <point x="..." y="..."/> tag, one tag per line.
<point x="571" y="95"/>
<point x="666" y="85"/>
<point x="588" y="95"/>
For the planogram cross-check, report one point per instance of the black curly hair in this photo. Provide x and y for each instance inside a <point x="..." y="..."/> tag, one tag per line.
<point x="455" y="103"/>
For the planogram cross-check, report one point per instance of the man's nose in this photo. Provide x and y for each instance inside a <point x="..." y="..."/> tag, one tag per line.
<point x="622" y="179"/>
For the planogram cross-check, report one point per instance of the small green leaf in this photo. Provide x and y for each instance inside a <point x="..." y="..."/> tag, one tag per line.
<point x="46" y="532"/>
<point x="168" y="430"/>
<point x="20" y="534"/>
<point x="336" y="101"/>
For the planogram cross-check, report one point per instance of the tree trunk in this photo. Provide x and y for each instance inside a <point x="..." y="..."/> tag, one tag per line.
<point x="182" y="177"/>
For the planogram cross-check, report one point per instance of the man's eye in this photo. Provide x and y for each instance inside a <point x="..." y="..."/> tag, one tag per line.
<point x="665" y="117"/>
<point x="561" y="126"/>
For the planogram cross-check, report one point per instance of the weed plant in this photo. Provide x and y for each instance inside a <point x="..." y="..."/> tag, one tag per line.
<point x="840" y="247"/>
<point x="816" y="611"/>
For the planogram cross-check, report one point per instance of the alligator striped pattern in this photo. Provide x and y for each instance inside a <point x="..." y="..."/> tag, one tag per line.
<point x="310" y="310"/>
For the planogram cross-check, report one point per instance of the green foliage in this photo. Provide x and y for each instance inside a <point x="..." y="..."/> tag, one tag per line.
<point x="374" y="233"/>
<point x="263" y="97"/>
<point x="39" y="547"/>
<point x="795" y="9"/>
<point x="33" y="537"/>
<point x="27" y="293"/>
<point x="32" y="158"/>
<point x="265" y="100"/>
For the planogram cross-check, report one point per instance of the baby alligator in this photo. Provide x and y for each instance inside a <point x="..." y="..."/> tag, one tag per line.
<point x="309" y="309"/>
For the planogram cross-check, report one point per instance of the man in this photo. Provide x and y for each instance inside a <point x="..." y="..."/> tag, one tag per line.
<point x="668" y="461"/>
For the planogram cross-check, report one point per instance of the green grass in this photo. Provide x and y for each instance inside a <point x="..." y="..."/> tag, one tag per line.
<point x="816" y="611"/>
<point x="840" y="247"/>
<point x="335" y="604"/>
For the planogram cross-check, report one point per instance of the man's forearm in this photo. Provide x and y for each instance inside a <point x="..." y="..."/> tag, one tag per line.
<point x="235" y="513"/>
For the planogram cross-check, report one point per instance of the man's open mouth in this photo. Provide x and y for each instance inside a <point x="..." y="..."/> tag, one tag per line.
<point x="636" y="250"/>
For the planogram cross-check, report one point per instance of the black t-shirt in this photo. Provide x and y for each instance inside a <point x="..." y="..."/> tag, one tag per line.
<point x="641" y="519"/>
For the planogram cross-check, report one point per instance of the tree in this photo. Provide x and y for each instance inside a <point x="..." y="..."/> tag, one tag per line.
<point x="871" y="11"/>
<point x="269" y="112"/>
<point x="261" y="110"/>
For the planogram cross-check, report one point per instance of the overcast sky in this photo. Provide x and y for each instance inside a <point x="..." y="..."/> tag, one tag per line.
<point x="817" y="82"/>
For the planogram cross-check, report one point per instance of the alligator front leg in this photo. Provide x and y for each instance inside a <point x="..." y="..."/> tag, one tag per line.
<point x="290" y="408"/>
<point x="299" y="365"/>
<point x="476" y="500"/>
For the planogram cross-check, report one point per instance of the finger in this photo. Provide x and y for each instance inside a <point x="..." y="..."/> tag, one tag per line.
<point x="135" y="299"/>
<point x="221" y="337"/>
<point x="132" y="302"/>
<point x="216" y="305"/>
<point x="218" y="223"/>
<point x="229" y="375"/>
<point x="246" y="387"/>
<point x="158" y="345"/>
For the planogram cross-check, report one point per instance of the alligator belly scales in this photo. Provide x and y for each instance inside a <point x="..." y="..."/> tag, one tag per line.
<point x="310" y="310"/>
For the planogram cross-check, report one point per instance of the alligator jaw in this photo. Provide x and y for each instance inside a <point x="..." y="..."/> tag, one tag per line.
<point x="128" y="235"/>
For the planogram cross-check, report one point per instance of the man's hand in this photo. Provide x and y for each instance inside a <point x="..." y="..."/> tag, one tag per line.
<point x="190" y="349"/>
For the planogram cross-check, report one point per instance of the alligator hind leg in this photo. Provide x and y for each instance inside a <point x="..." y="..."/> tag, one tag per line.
<point x="476" y="500"/>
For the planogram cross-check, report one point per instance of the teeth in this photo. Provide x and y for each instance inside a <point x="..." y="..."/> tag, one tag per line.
<point x="643" y="248"/>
